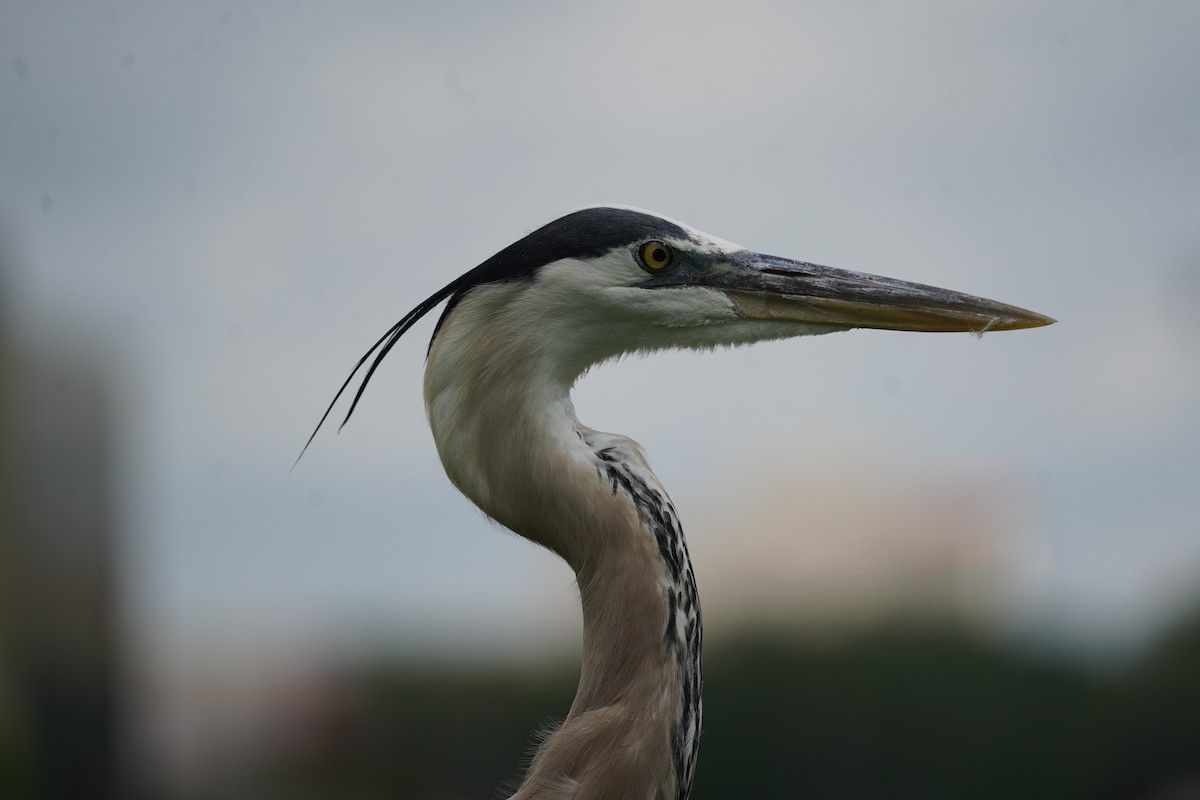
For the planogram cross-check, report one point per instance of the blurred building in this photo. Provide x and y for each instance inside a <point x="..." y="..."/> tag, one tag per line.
<point x="58" y="601"/>
<point x="856" y="543"/>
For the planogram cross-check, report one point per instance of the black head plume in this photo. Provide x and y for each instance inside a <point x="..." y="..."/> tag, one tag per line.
<point x="584" y="234"/>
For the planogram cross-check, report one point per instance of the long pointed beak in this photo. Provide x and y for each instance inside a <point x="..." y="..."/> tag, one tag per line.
<point x="772" y="288"/>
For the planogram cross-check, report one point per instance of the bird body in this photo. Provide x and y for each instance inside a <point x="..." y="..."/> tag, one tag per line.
<point x="518" y="332"/>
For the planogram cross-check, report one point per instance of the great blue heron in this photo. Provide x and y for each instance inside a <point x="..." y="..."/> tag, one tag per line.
<point x="517" y="332"/>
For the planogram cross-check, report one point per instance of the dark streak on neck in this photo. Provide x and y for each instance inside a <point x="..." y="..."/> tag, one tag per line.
<point x="656" y="513"/>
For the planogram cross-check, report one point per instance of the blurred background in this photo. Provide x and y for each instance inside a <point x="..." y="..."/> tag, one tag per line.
<point x="932" y="565"/>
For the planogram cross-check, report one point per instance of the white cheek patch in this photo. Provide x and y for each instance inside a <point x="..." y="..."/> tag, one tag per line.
<point x="616" y="268"/>
<point x="609" y="287"/>
<point x="677" y="307"/>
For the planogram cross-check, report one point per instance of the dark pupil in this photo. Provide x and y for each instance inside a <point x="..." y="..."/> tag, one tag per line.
<point x="659" y="254"/>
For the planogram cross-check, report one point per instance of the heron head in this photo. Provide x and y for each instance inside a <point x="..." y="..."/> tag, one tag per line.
<point x="606" y="281"/>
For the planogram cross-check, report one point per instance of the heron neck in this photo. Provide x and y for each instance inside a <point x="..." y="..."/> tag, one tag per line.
<point x="508" y="437"/>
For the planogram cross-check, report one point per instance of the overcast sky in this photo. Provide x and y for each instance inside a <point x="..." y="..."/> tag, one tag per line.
<point x="231" y="201"/>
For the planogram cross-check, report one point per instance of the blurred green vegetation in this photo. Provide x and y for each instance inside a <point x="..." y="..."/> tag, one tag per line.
<point x="915" y="713"/>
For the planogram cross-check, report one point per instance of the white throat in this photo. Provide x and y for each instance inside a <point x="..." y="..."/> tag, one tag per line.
<point x="501" y="416"/>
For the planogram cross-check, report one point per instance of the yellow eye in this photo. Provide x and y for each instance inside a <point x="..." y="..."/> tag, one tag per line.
<point x="655" y="256"/>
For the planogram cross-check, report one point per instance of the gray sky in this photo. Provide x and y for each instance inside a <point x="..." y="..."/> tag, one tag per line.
<point x="232" y="201"/>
